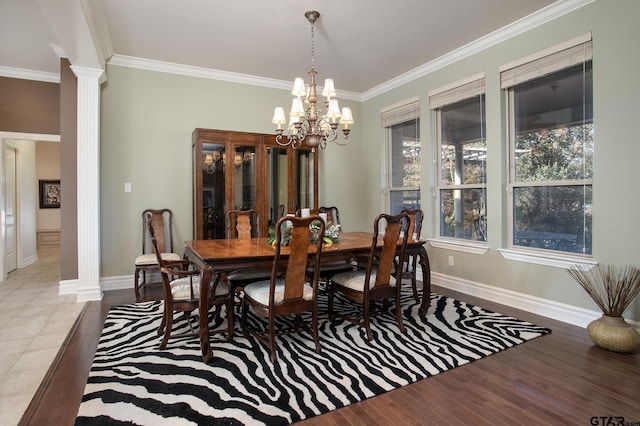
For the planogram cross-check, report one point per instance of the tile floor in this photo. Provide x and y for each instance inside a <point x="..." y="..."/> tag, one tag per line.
<point x="34" y="321"/>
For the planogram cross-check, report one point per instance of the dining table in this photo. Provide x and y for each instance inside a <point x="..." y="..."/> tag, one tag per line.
<point x="228" y="255"/>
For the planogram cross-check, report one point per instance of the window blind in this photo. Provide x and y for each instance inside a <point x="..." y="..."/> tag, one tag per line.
<point x="458" y="91"/>
<point x="401" y="112"/>
<point x="555" y="58"/>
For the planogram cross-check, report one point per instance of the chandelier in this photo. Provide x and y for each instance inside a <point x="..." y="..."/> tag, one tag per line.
<point x="309" y="125"/>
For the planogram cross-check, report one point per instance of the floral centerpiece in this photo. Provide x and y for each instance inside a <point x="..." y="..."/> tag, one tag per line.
<point x="331" y="233"/>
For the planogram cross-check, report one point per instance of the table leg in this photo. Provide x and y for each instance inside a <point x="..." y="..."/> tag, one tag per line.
<point x="423" y="260"/>
<point x="205" y="278"/>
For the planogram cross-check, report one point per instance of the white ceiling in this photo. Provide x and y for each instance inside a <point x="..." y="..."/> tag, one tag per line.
<point x="361" y="44"/>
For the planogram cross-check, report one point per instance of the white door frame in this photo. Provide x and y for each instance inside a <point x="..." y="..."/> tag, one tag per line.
<point x="10" y="198"/>
<point x="6" y="140"/>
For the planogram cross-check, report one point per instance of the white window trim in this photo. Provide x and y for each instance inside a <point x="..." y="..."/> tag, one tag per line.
<point x="547" y="258"/>
<point x="466" y="246"/>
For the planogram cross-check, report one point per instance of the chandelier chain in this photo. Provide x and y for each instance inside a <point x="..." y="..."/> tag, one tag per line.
<point x="313" y="54"/>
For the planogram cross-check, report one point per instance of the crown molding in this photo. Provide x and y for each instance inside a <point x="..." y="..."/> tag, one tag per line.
<point x="40" y="137"/>
<point x="540" y="17"/>
<point x="212" y="74"/>
<point x="49" y="77"/>
<point x="96" y="19"/>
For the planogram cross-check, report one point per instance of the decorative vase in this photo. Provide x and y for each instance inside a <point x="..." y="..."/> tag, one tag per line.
<point x="614" y="334"/>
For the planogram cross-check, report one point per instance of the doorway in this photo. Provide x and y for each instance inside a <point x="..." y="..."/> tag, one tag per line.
<point x="19" y="173"/>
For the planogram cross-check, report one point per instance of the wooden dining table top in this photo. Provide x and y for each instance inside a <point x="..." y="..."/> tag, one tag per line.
<point x="231" y="250"/>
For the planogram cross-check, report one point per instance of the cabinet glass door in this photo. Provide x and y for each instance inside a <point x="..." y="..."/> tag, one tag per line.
<point x="213" y="191"/>
<point x="277" y="176"/>
<point x="304" y="180"/>
<point x="244" y="173"/>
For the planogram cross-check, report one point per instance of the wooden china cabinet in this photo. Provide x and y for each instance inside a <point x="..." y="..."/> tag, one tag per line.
<point x="240" y="171"/>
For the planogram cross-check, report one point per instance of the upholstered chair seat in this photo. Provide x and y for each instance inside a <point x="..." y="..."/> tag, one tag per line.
<point x="181" y="288"/>
<point x="355" y="279"/>
<point x="242" y="275"/>
<point x="259" y="291"/>
<point x="150" y="258"/>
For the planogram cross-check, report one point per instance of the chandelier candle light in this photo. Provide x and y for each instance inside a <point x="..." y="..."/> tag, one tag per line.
<point x="308" y="125"/>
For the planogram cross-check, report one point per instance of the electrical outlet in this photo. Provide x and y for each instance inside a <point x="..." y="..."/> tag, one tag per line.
<point x="450" y="260"/>
<point x="127" y="187"/>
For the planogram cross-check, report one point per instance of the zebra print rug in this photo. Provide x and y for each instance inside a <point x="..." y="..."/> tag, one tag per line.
<point x="132" y="382"/>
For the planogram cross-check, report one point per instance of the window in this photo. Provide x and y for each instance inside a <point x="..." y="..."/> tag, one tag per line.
<point x="551" y="149"/>
<point x="402" y="124"/>
<point x="461" y="188"/>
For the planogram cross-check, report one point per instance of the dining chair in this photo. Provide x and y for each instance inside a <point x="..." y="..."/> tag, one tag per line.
<point x="244" y="225"/>
<point x="291" y="293"/>
<point x="162" y="222"/>
<point x="333" y="215"/>
<point x="411" y="262"/>
<point x="328" y="269"/>
<point x="376" y="282"/>
<point x="182" y="294"/>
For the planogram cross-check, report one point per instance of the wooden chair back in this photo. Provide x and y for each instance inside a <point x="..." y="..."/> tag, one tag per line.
<point x="243" y="224"/>
<point x="409" y="270"/>
<point x="332" y="214"/>
<point x="295" y="274"/>
<point x="161" y="220"/>
<point x="415" y="225"/>
<point x="396" y="230"/>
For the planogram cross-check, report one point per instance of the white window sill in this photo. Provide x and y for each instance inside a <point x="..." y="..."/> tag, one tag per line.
<point x="461" y="245"/>
<point x="554" y="259"/>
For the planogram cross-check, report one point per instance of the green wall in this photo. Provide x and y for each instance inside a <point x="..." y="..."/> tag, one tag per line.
<point x="616" y="59"/>
<point x="148" y="117"/>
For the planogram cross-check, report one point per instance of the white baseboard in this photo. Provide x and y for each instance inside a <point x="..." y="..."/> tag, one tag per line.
<point x="68" y="287"/>
<point x="89" y="295"/>
<point x="548" y="308"/>
<point x="29" y="261"/>
<point x="117" y="283"/>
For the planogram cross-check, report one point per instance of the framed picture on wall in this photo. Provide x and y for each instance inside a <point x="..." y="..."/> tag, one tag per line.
<point x="49" y="194"/>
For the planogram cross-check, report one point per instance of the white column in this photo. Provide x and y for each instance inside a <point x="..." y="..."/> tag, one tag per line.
<point x="88" y="151"/>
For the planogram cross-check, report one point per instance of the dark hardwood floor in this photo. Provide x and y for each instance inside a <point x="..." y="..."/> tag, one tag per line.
<point x="561" y="378"/>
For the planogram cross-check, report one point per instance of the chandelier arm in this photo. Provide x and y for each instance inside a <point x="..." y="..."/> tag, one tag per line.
<point x="340" y="142"/>
<point x="295" y="143"/>
<point x="279" y="138"/>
